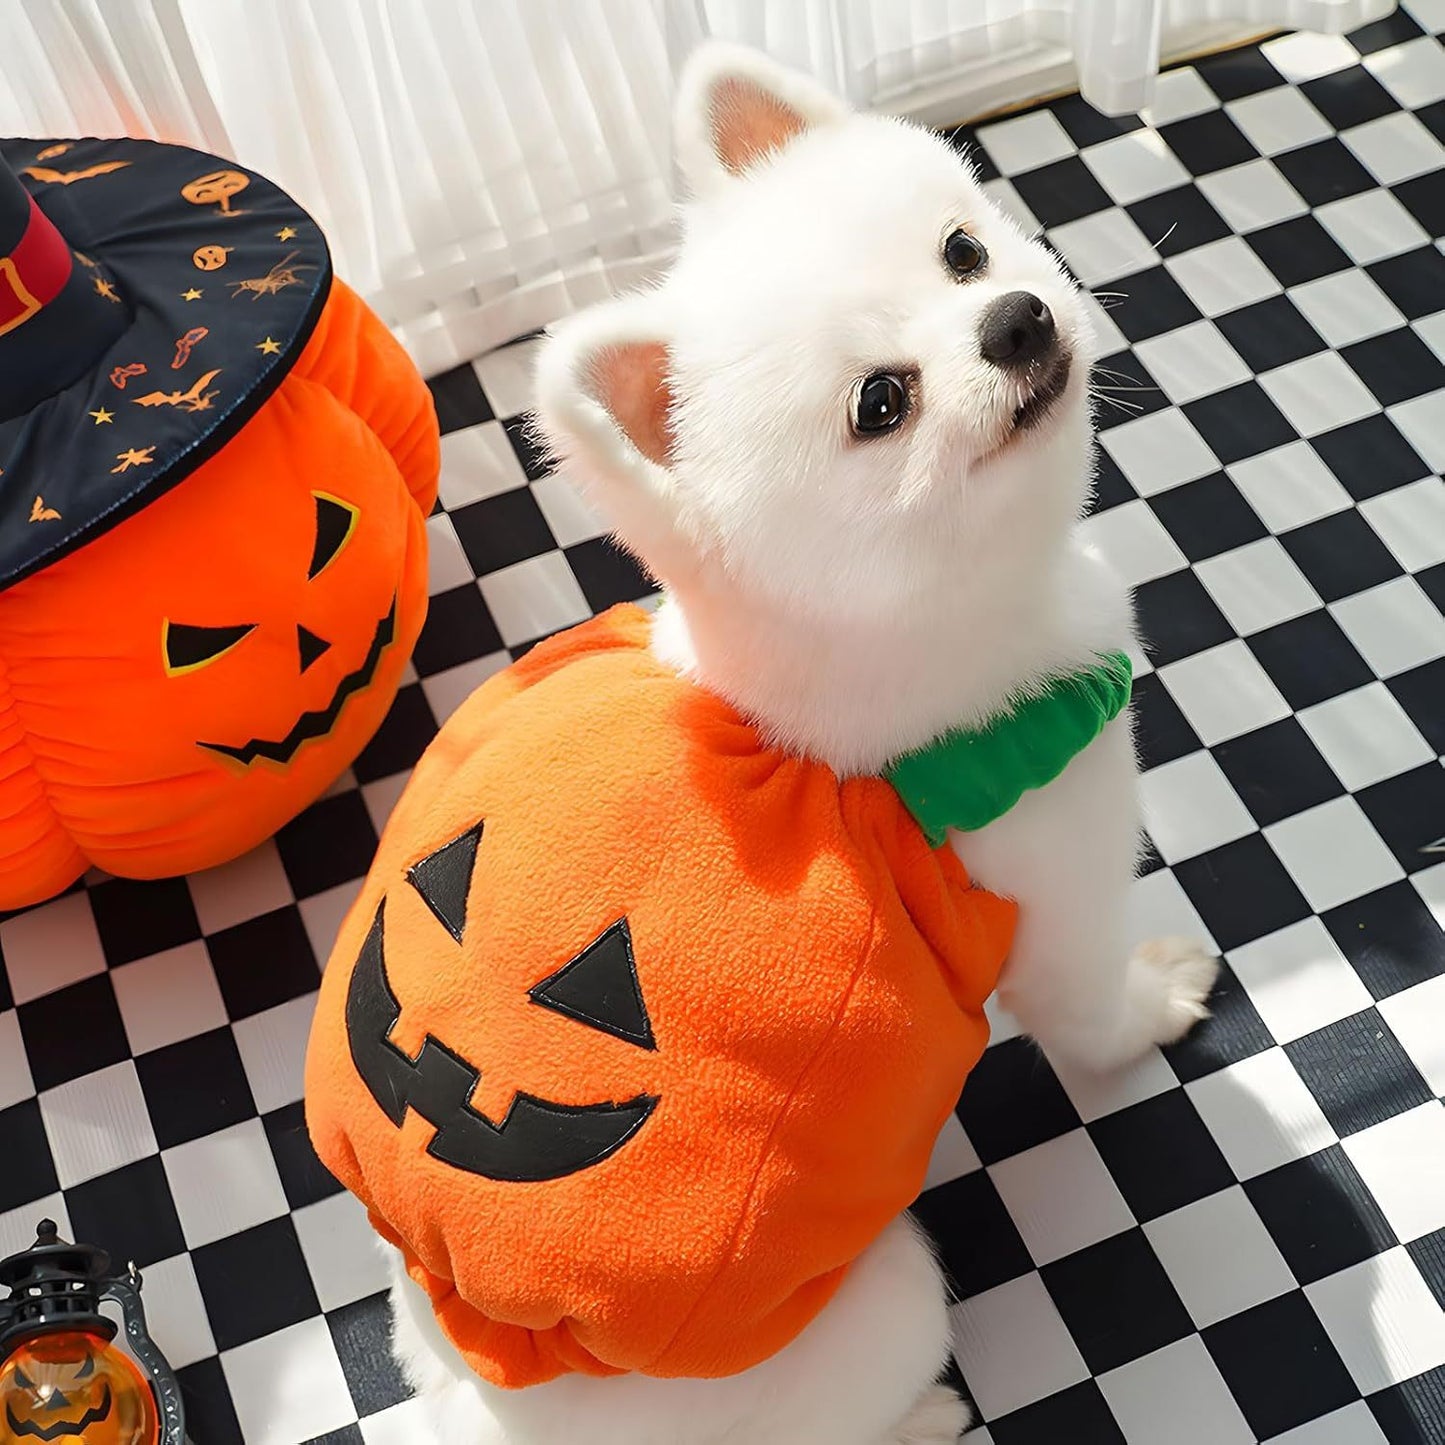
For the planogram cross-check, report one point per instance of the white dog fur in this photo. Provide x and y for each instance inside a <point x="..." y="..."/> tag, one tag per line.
<point x="856" y="597"/>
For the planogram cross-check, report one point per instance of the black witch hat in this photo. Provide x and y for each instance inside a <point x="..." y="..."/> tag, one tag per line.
<point x="152" y="298"/>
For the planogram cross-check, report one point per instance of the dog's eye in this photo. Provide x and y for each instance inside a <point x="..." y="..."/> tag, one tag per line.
<point x="963" y="255"/>
<point x="882" y="404"/>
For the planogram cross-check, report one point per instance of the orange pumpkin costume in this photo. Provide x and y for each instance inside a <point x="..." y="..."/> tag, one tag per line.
<point x="215" y="469"/>
<point x="641" y="1031"/>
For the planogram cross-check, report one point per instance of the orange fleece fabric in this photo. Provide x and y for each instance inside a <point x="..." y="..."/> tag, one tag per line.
<point x="762" y="1093"/>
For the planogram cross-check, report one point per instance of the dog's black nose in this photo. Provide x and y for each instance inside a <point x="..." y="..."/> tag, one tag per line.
<point x="1016" y="329"/>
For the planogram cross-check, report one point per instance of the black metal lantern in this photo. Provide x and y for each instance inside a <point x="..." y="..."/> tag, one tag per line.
<point x="63" y="1380"/>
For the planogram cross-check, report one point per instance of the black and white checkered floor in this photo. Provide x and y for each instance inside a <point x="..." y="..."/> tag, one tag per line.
<point x="1242" y="1239"/>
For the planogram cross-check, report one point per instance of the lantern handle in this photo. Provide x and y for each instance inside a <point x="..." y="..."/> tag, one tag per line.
<point x="124" y="1289"/>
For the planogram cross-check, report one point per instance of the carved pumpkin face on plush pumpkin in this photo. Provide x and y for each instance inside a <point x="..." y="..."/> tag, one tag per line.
<point x="74" y="1389"/>
<point x="212" y="516"/>
<point x="235" y="644"/>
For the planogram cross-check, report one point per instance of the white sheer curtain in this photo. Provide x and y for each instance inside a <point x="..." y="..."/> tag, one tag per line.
<point x="483" y="166"/>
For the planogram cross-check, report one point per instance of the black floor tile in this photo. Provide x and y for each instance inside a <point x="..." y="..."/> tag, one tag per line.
<point x="1208" y="516"/>
<point x="1408" y="812"/>
<point x="459" y="398"/>
<point x="263" y="962"/>
<point x="1161" y="1155"/>
<point x="1013" y="1101"/>
<point x="73" y="1031"/>
<point x="1279" y="1365"/>
<point x="1178" y="617"/>
<point x="1277" y="771"/>
<point x="1242" y="891"/>
<point x="1341" y="555"/>
<point x="1240" y="422"/>
<point x="1369" y="457"/>
<point x="1319" y="1213"/>
<point x="977" y="1242"/>
<point x="459" y="629"/>
<point x="332" y="842"/>
<point x="1390" y="937"/>
<point x="1358" y="1072"/>
<point x="1270" y="333"/>
<point x="1117" y="1301"/>
<point x="195" y="1087"/>
<point x="255" y="1283"/>
<point x="129" y="1212"/>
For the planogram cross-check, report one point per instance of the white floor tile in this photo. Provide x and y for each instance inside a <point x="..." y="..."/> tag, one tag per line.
<point x="51" y="947"/>
<point x="15" y="1081"/>
<point x="1413" y="72"/>
<point x="97" y="1123"/>
<point x="1135" y="543"/>
<point x="953" y="1156"/>
<point x="1411" y="522"/>
<point x="1333" y="853"/>
<point x="168" y="997"/>
<point x="1365" y="736"/>
<point x="1319" y="393"/>
<point x="1290" y="486"/>
<point x="1394" y="147"/>
<point x="478" y="462"/>
<point x="1305" y="55"/>
<point x="1190" y="807"/>
<point x="1298" y="980"/>
<point x="1346" y="307"/>
<point x="1024" y="142"/>
<point x="1278" y="120"/>
<point x="1354" y="1425"/>
<point x="343" y="1251"/>
<point x="1159" y="451"/>
<point x="1224" y="692"/>
<point x="176" y="1313"/>
<point x="1176" y="1394"/>
<point x="1258" y="586"/>
<point x="1219" y="1256"/>
<point x="250" y="885"/>
<point x="1061" y="1196"/>
<point x="1135" y="165"/>
<point x="987" y="1330"/>
<point x="289" y="1386"/>
<point x="535" y="597"/>
<point x="1417" y="1015"/>
<point x="1192" y="362"/>
<point x="1223" y="276"/>
<point x="224" y="1183"/>
<point x="1371" y="226"/>
<point x="1252" y="195"/>
<point x="272" y="1045"/>
<point x="1382" y="1318"/>
<point x="1394" y="626"/>
<point x="1261" y="1113"/>
<point x="1402" y="1161"/>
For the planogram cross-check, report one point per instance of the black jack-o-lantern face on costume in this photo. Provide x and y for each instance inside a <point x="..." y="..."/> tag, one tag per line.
<point x="74" y="1387"/>
<point x="537" y="1139"/>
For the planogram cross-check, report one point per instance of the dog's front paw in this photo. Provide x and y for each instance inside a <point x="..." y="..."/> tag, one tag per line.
<point x="1169" y="985"/>
<point x="939" y="1418"/>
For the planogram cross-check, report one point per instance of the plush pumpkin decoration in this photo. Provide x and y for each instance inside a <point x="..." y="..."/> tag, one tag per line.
<point x="640" y="1030"/>
<point x="215" y="470"/>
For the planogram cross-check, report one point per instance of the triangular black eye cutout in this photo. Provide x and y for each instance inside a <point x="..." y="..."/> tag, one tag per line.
<point x="599" y="988"/>
<point x="444" y="879"/>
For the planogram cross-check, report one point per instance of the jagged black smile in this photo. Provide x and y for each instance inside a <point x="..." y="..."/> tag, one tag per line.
<point x="62" y="1429"/>
<point x="536" y="1141"/>
<point x="317" y="724"/>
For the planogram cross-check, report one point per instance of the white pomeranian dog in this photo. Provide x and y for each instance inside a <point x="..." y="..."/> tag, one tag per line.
<point x="850" y="435"/>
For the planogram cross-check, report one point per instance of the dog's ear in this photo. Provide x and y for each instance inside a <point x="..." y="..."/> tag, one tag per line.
<point x="736" y="108"/>
<point x="604" y="403"/>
